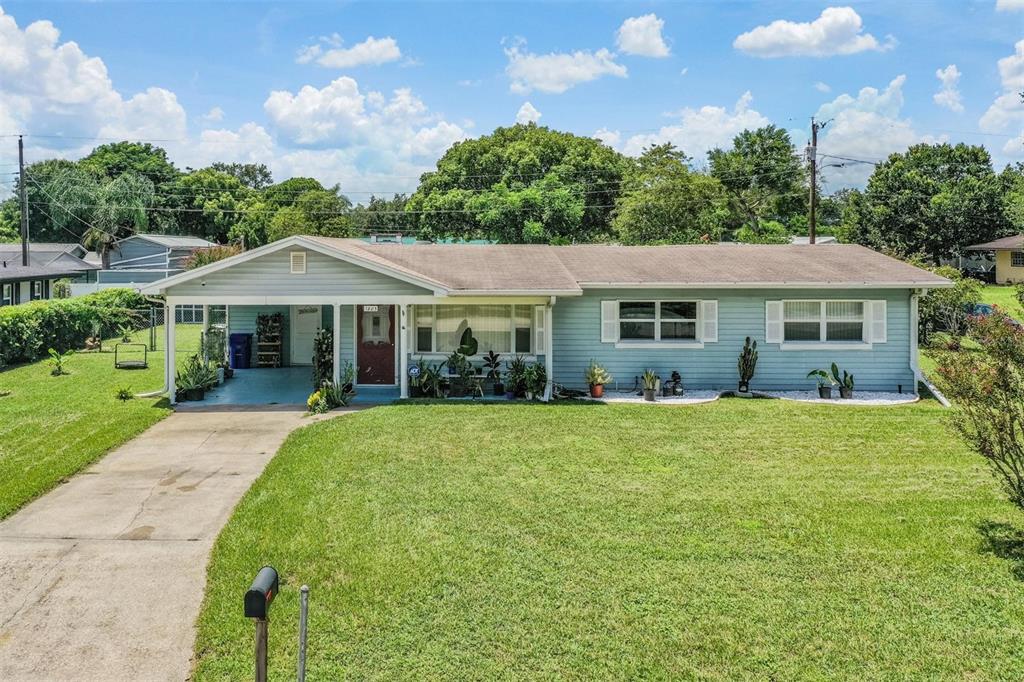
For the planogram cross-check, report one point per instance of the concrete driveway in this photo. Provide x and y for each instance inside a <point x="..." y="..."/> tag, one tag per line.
<point x="102" y="578"/>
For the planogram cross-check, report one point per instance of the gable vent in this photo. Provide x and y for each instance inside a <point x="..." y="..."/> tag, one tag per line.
<point x="298" y="262"/>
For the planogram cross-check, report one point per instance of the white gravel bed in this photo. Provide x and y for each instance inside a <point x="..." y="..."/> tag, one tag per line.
<point x="688" y="398"/>
<point x="859" y="397"/>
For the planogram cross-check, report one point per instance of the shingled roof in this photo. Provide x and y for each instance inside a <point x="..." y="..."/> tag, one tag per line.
<point x="524" y="267"/>
<point x="1013" y="243"/>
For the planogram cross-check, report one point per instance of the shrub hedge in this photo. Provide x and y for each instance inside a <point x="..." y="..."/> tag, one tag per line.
<point x="28" y="330"/>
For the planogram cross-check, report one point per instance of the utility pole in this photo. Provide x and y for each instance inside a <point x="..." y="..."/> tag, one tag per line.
<point x="24" y="201"/>
<point x="812" y="158"/>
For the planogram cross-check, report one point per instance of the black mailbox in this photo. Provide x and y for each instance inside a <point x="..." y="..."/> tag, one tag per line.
<point x="261" y="593"/>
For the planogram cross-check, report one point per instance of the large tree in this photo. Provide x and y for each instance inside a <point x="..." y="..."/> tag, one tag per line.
<point x="111" y="161"/>
<point x="524" y="183"/>
<point x="317" y="212"/>
<point x="383" y="215"/>
<point x="123" y="209"/>
<point x="933" y="200"/>
<point x="664" y="202"/>
<point x="252" y="175"/>
<point x="207" y="202"/>
<point x="763" y="175"/>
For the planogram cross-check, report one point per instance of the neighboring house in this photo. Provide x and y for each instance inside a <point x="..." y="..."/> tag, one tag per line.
<point x="67" y="256"/>
<point x="1009" y="257"/>
<point x="820" y="239"/>
<point x="685" y="308"/>
<point x="21" y="283"/>
<point x="143" y="258"/>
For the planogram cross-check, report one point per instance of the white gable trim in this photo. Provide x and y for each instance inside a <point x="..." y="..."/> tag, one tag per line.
<point x="160" y="287"/>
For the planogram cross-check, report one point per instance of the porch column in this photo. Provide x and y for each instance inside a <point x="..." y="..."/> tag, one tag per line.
<point x="336" y="335"/>
<point x="403" y="352"/>
<point x="169" y="353"/>
<point x="549" y="365"/>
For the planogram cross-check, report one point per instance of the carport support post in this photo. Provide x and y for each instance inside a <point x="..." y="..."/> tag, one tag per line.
<point x="336" y="336"/>
<point x="403" y="352"/>
<point x="169" y="351"/>
<point x="549" y="365"/>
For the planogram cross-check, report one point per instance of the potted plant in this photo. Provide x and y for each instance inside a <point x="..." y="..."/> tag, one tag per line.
<point x="457" y="371"/>
<point x="746" y="364"/>
<point x="535" y="380"/>
<point x="516" y="377"/>
<point x="195" y="378"/>
<point x="825" y="383"/>
<point x="492" y="363"/>
<point x="845" y="382"/>
<point x="651" y="382"/>
<point x="597" y="377"/>
<point x="431" y="381"/>
<point x="676" y="384"/>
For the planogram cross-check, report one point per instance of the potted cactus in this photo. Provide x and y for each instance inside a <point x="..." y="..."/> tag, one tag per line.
<point x="651" y="382"/>
<point x="597" y="377"/>
<point x="746" y="364"/>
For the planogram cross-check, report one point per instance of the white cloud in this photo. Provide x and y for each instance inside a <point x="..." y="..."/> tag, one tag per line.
<point x="868" y="127"/>
<point x="697" y="132"/>
<point x="685" y="70"/>
<point x="527" y="113"/>
<point x="838" y="31"/>
<point x="1006" y="113"/>
<point x="340" y="114"/>
<point x="557" y="72"/>
<point x="641" y="36"/>
<point x="372" y="51"/>
<point x="214" y="115"/>
<point x="822" y="87"/>
<point x="1009" y="5"/>
<point x="467" y="83"/>
<point x="948" y="95"/>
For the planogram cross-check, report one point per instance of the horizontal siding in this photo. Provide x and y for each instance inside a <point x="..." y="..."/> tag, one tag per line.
<point x="270" y="275"/>
<point x="242" y="320"/>
<point x="577" y="340"/>
<point x="138" y="253"/>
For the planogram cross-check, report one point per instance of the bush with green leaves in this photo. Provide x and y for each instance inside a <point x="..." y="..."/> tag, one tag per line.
<point x="946" y="310"/>
<point x="986" y="387"/>
<point x="28" y="330"/>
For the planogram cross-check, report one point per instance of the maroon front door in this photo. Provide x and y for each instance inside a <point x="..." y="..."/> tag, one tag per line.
<point x="375" y="344"/>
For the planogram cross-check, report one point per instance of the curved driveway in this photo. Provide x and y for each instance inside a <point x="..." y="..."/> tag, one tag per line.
<point x="102" y="578"/>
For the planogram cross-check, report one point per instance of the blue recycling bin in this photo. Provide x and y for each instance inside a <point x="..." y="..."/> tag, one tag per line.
<point x="241" y="350"/>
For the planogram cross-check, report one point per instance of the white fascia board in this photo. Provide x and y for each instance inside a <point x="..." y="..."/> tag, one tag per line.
<point x="545" y="293"/>
<point x="763" y="285"/>
<point x="161" y="286"/>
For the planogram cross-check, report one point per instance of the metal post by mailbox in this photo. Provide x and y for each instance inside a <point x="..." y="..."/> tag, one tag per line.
<point x="257" y="606"/>
<point x="303" y="629"/>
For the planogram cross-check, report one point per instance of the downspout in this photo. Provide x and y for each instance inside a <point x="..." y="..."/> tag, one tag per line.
<point x="163" y="389"/>
<point x="914" y="364"/>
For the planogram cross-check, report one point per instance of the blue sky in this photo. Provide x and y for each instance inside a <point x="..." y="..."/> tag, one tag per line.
<point x="369" y="94"/>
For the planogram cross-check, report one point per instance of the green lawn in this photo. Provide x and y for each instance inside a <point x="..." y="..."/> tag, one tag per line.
<point x="741" y="539"/>
<point x="1004" y="296"/>
<point x="52" y="427"/>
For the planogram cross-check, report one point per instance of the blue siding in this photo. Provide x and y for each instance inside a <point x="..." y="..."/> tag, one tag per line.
<point x="138" y="253"/>
<point x="577" y="339"/>
<point x="242" y="320"/>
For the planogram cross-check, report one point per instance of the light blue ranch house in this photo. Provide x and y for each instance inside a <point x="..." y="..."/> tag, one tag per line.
<point x="630" y="308"/>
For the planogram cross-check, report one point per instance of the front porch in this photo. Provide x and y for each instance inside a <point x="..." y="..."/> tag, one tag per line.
<point x="284" y="386"/>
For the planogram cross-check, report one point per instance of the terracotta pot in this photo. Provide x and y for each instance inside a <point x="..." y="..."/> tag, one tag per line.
<point x="596" y="390"/>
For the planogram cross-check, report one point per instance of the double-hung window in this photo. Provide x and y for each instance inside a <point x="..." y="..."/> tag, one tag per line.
<point x="823" y="321"/>
<point x="498" y="328"/>
<point x="1017" y="259"/>
<point x="657" y="320"/>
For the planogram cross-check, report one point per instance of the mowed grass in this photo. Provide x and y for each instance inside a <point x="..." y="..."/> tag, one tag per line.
<point x="740" y="539"/>
<point x="1004" y="296"/>
<point x="52" y="427"/>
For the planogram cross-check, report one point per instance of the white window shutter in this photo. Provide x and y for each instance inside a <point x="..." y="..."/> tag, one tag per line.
<point x="538" y="329"/>
<point x="609" y="321"/>
<point x="709" y="321"/>
<point x="878" y="321"/>
<point x="773" y="321"/>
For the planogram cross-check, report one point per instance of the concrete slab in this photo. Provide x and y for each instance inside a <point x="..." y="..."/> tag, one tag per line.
<point x="104" y="576"/>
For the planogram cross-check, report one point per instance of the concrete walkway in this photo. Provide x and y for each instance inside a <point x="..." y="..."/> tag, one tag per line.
<point x="102" y="578"/>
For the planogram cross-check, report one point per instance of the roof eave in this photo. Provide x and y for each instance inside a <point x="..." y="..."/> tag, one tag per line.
<point x="912" y="284"/>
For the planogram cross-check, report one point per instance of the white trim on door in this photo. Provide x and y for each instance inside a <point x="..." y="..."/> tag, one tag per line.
<point x="297" y="355"/>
